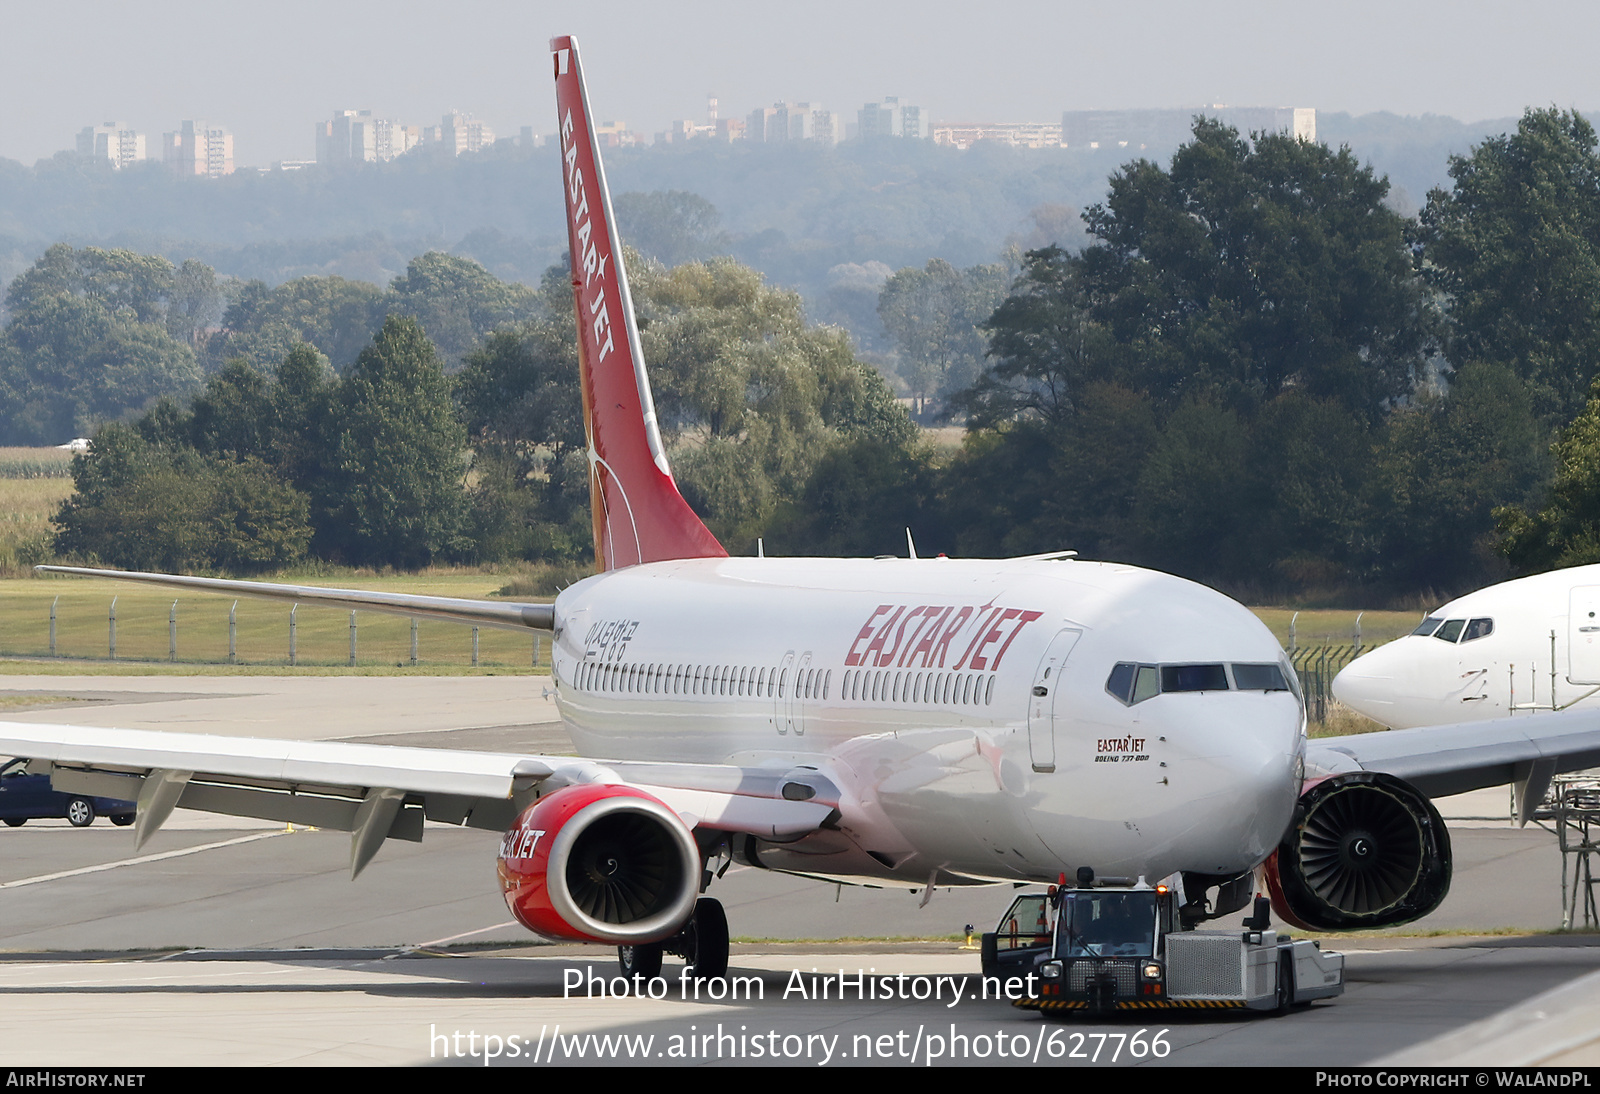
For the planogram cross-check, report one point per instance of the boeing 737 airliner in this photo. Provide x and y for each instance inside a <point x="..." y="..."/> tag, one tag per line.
<point x="1521" y="646"/>
<point x="927" y="721"/>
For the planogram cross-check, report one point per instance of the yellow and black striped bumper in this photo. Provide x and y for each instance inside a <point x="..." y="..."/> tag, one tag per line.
<point x="1133" y="1004"/>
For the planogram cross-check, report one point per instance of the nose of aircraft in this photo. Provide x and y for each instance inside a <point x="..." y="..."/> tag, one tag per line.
<point x="1371" y="684"/>
<point x="1254" y="768"/>
<point x="1235" y="763"/>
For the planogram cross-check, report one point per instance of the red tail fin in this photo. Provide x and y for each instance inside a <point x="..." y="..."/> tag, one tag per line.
<point x="639" y="516"/>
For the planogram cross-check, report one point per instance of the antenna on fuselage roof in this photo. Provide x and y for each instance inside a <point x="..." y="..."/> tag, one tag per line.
<point x="761" y="549"/>
<point x="910" y="545"/>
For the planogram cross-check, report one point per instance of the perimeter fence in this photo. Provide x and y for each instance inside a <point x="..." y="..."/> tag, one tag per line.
<point x="146" y="626"/>
<point x="1316" y="666"/>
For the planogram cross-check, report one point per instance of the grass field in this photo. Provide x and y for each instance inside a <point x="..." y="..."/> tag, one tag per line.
<point x="1338" y="628"/>
<point x="33" y="484"/>
<point x="35" y="463"/>
<point x="322" y="634"/>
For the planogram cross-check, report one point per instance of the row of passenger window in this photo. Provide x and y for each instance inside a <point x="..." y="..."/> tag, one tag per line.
<point x="942" y="688"/>
<point x="1134" y="683"/>
<point x="728" y="680"/>
<point x="1453" y="630"/>
<point x="859" y="685"/>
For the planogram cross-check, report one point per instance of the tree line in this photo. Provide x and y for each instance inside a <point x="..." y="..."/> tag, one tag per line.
<point x="398" y="462"/>
<point x="1257" y="374"/>
<point x="95" y="334"/>
<point x="1261" y="375"/>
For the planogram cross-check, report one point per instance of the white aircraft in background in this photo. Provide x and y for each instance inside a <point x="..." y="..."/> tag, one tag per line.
<point x="1527" y="645"/>
<point x="929" y="722"/>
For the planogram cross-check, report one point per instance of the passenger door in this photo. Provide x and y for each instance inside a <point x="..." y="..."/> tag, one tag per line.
<point x="798" y="708"/>
<point x="1042" y="702"/>
<point x="1583" y="635"/>
<point x="783" y="695"/>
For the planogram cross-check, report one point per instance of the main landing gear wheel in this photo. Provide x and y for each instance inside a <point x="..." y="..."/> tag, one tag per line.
<point x="80" y="812"/>
<point x="642" y="961"/>
<point x="16" y="822"/>
<point x="705" y="940"/>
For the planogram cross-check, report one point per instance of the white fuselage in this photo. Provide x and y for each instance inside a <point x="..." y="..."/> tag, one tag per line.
<point x="1536" y="624"/>
<point x="915" y="687"/>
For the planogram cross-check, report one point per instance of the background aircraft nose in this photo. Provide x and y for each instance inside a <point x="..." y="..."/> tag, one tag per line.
<point x="1369" y="685"/>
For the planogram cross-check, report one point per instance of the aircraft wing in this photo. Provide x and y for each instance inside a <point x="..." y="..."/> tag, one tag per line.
<point x="1523" y="751"/>
<point x="379" y="792"/>
<point x="486" y="613"/>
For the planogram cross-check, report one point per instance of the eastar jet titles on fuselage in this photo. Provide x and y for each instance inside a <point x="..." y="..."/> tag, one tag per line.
<point x="961" y="708"/>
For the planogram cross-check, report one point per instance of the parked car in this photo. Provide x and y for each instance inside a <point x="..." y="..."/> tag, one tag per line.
<point x="24" y="797"/>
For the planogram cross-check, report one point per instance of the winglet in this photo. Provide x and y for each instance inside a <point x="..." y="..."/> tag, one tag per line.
<point x="639" y="516"/>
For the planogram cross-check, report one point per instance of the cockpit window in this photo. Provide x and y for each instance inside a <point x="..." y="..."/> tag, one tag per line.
<point x="1294" y="680"/>
<point x="1478" y="628"/>
<point x="1148" y="683"/>
<point x="1259" y="678"/>
<point x="1120" y="682"/>
<point x="1428" y="625"/>
<point x="1133" y="683"/>
<point x="1451" y="630"/>
<point x="1193" y="678"/>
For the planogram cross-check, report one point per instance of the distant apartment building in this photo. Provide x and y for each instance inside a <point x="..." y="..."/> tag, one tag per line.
<point x="391" y="139"/>
<point x="112" y="142"/>
<point x="1019" y="134"/>
<point x="793" y="122"/>
<point x="1145" y="130"/>
<point x="714" y="127"/>
<point x="460" y="133"/>
<point x="757" y="123"/>
<point x="616" y="135"/>
<point x="678" y="131"/>
<point x="348" y="138"/>
<point x="198" y="150"/>
<point x="891" y="118"/>
<point x="827" y="126"/>
<point x="355" y="136"/>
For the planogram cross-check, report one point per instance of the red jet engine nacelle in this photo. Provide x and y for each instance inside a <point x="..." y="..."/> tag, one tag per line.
<point x="600" y="863"/>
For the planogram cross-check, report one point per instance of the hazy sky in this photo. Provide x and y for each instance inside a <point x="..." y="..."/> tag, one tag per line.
<point x="268" y="71"/>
